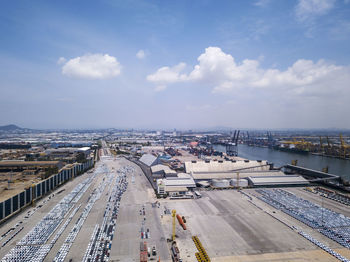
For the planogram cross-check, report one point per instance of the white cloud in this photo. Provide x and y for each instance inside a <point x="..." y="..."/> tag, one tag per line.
<point x="92" y="66"/>
<point x="160" y="88"/>
<point x="166" y="75"/>
<point x="61" y="60"/>
<point x="307" y="9"/>
<point x="262" y="3"/>
<point x="141" y="54"/>
<point x="225" y="75"/>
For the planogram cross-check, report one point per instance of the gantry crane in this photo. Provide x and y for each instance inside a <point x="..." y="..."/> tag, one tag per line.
<point x="328" y="146"/>
<point x="343" y="147"/>
<point x="321" y="146"/>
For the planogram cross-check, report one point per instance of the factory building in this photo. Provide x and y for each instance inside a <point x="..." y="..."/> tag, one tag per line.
<point x="35" y="166"/>
<point x="233" y="174"/>
<point x="86" y="150"/>
<point x="175" y="186"/>
<point x="243" y="173"/>
<point x="286" y="180"/>
<point x="161" y="171"/>
<point x="225" y="166"/>
<point x="149" y="160"/>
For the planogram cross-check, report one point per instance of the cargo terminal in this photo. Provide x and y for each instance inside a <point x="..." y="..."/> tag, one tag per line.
<point x="144" y="209"/>
<point x="216" y="174"/>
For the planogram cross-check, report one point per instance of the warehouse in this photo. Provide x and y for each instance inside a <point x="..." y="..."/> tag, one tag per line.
<point x="149" y="160"/>
<point x="225" y="166"/>
<point x="162" y="171"/>
<point x="18" y="166"/>
<point x="233" y="175"/>
<point x="286" y="180"/>
<point x="175" y="185"/>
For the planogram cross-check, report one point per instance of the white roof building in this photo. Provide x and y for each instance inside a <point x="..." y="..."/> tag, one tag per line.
<point x="232" y="174"/>
<point x="162" y="170"/>
<point x="277" y="180"/>
<point x="225" y="166"/>
<point x="149" y="160"/>
<point x="180" y="183"/>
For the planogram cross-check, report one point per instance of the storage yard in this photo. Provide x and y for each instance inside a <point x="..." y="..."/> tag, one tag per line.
<point x="80" y="216"/>
<point x="112" y="214"/>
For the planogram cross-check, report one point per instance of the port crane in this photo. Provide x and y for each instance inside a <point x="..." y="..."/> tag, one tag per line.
<point x="343" y="147"/>
<point x="232" y="147"/>
<point x="321" y="145"/>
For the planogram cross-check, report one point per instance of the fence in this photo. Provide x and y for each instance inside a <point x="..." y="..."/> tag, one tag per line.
<point x="16" y="203"/>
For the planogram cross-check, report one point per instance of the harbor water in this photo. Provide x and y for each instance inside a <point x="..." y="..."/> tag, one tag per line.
<point x="336" y="166"/>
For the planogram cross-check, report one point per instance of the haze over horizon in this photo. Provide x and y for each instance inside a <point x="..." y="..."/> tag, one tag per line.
<point x="166" y="64"/>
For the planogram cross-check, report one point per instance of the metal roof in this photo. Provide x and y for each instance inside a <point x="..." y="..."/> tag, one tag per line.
<point x="164" y="168"/>
<point x="224" y="166"/>
<point x="176" y="189"/>
<point x="148" y="159"/>
<point x="228" y="175"/>
<point x="28" y="163"/>
<point x="178" y="182"/>
<point x="278" y="180"/>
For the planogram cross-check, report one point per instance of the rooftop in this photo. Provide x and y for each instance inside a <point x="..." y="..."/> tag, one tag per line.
<point x="148" y="159"/>
<point x="278" y="180"/>
<point x="229" y="175"/>
<point x="223" y="166"/>
<point x="28" y="163"/>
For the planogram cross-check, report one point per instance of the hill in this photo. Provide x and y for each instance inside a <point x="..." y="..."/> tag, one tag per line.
<point x="10" y="128"/>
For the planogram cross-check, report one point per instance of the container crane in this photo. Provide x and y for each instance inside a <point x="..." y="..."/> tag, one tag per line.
<point x="321" y="145"/>
<point x="343" y="147"/>
<point x="328" y="145"/>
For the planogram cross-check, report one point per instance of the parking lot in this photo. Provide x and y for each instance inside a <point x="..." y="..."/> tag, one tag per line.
<point x="64" y="222"/>
<point x="108" y="213"/>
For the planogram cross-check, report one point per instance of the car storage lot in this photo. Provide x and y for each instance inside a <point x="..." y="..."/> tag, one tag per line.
<point x="230" y="225"/>
<point x="126" y="246"/>
<point x="80" y="217"/>
<point x="231" y="228"/>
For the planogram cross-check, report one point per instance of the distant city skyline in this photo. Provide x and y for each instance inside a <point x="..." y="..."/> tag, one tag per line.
<point x="263" y="64"/>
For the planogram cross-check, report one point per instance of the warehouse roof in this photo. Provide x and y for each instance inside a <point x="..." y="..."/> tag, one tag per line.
<point x="28" y="163"/>
<point x="228" y="175"/>
<point x="148" y="159"/>
<point x="176" y="189"/>
<point x="85" y="148"/>
<point x="163" y="168"/>
<point x="224" y="166"/>
<point x="278" y="180"/>
<point x="184" y="180"/>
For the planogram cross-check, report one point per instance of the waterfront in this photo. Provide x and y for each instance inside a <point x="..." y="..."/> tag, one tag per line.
<point x="336" y="166"/>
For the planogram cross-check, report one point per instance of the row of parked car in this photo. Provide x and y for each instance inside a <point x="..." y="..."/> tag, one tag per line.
<point x="33" y="246"/>
<point x="334" y="225"/>
<point x="94" y="196"/>
<point x="324" y="247"/>
<point x="101" y="239"/>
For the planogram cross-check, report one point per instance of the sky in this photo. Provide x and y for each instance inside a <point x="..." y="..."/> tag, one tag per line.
<point x="197" y="64"/>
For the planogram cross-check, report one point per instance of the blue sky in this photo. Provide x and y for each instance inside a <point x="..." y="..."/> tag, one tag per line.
<point x="175" y="64"/>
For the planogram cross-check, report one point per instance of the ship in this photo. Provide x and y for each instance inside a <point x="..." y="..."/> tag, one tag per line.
<point x="291" y="149"/>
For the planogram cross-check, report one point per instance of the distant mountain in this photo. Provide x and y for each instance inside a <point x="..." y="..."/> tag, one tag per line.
<point x="10" y="128"/>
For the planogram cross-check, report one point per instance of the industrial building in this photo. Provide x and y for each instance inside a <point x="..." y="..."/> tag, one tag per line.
<point x="162" y="171"/>
<point x="286" y="180"/>
<point x="233" y="174"/>
<point x="242" y="173"/>
<point x="18" y="166"/>
<point x="225" y="166"/>
<point x="149" y="160"/>
<point x="175" y="185"/>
